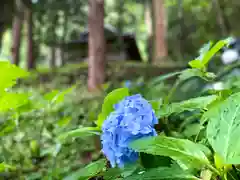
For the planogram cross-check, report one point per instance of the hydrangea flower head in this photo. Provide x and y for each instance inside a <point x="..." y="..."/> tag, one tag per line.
<point x="132" y="119"/>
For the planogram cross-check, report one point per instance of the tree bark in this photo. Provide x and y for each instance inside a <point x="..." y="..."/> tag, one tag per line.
<point x="17" y="32"/>
<point x="149" y="21"/>
<point x="2" y="28"/>
<point x="160" y="31"/>
<point x="52" y="62"/>
<point x="96" y="45"/>
<point x="53" y="37"/>
<point x="220" y="19"/>
<point x="30" y="57"/>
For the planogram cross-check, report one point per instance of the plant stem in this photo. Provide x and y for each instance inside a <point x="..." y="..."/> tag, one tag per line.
<point x="172" y="91"/>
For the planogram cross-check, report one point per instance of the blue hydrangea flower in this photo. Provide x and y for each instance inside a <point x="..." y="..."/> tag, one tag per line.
<point x="133" y="118"/>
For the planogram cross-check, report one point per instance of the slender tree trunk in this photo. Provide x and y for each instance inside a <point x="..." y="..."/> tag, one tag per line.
<point x="220" y="19"/>
<point x="96" y="45"/>
<point x="65" y="28"/>
<point x="181" y="25"/>
<point x="30" y="57"/>
<point x="2" y="28"/>
<point x="120" y="9"/>
<point x="17" y="32"/>
<point x="149" y="18"/>
<point x="160" y="31"/>
<point x="53" y="37"/>
<point x="52" y="63"/>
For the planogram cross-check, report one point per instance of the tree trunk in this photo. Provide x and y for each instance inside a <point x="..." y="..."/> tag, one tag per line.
<point x="2" y="29"/>
<point x="52" y="62"/>
<point x="220" y="19"/>
<point x="65" y="31"/>
<point x="30" y="44"/>
<point x="160" y="51"/>
<point x="120" y="9"/>
<point x="149" y="21"/>
<point x="96" y="45"/>
<point x="17" y="32"/>
<point x="53" y="43"/>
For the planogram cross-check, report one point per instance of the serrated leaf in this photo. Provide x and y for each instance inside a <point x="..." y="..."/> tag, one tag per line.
<point x="9" y="74"/>
<point x="163" y="173"/>
<point x="188" y="105"/>
<point x="81" y="132"/>
<point x="183" y="150"/>
<point x="223" y="129"/>
<point x="110" y="100"/>
<point x="89" y="171"/>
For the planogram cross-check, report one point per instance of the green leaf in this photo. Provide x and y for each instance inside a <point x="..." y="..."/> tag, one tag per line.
<point x="192" y="129"/>
<point x="164" y="77"/>
<point x="129" y="169"/>
<point x="7" y="127"/>
<point x="51" y="95"/>
<point x="164" y="173"/>
<point x="189" y="73"/>
<point x="110" y="100"/>
<point x="153" y="161"/>
<point x="185" y="151"/>
<point x="81" y="132"/>
<point x="219" y="45"/>
<point x="224" y="127"/>
<point x="196" y="63"/>
<point x="188" y="105"/>
<point x="9" y="74"/>
<point x="57" y="97"/>
<point x="12" y="101"/>
<point x="64" y="121"/>
<point x="156" y="105"/>
<point x="89" y="171"/>
<point x="5" y="167"/>
<point x="112" y="173"/>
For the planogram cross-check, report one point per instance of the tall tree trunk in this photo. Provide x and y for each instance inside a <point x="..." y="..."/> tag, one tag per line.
<point x="30" y="44"/>
<point x="52" y="62"/>
<point x="120" y="9"/>
<point x="17" y="32"/>
<point x="96" y="45"/>
<point x="220" y="19"/>
<point x="149" y="21"/>
<point x="65" y="31"/>
<point x="181" y="25"/>
<point x="160" y="51"/>
<point x="2" y="28"/>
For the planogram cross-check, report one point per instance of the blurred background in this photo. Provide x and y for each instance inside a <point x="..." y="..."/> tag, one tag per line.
<point x="53" y="28"/>
<point x="98" y="45"/>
